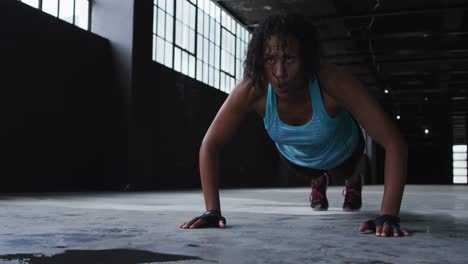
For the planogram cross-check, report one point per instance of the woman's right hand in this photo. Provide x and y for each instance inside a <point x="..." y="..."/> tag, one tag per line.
<point x="208" y="219"/>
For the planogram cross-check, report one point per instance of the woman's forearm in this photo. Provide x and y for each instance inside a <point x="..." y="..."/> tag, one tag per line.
<point x="209" y="170"/>
<point x="396" y="161"/>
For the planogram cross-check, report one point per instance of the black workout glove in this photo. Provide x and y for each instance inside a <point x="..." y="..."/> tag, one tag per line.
<point x="212" y="218"/>
<point x="391" y="220"/>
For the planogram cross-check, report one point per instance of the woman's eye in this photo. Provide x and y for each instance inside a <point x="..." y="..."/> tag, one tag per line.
<point x="270" y="60"/>
<point x="290" y="58"/>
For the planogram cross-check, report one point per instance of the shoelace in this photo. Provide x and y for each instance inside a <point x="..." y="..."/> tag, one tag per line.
<point x="316" y="196"/>
<point x="350" y="195"/>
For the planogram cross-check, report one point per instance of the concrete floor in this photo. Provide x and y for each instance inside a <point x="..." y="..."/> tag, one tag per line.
<point x="264" y="226"/>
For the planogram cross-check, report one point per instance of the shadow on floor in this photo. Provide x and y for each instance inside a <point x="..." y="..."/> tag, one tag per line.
<point x="110" y="256"/>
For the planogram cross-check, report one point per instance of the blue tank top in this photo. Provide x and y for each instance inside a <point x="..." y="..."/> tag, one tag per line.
<point x="323" y="143"/>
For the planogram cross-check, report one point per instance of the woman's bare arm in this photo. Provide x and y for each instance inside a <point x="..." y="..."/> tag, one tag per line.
<point x="231" y="114"/>
<point x="353" y="96"/>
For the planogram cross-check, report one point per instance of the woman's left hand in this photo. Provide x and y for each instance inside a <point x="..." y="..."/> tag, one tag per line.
<point x="385" y="225"/>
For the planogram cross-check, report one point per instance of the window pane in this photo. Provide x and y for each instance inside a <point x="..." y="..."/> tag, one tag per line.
<point x="192" y="40"/>
<point x="185" y="12"/>
<point x="223" y="18"/>
<point x="200" y="22"/>
<point x="459" y="148"/>
<point x="222" y="81"/>
<point x="217" y="57"/>
<point x="218" y="13"/>
<point x="460" y="179"/>
<point x="212" y="10"/>
<point x="178" y="33"/>
<point x="217" y="34"/>
<point x="211" y="76"/>
<point x="155" y="19"/>
<point x="199" y="69"/>
<point x="205" y="72"/>
<point x="185" y="36"/>
<point x="459" y="164"/>
<point x="192" y="16"/>
<point x="154" y="47"/>
<point x="160" y="50"/>
<point x="192" y="66"/>
<point x="205" y="50"/>
<point x="212" y="54"/>
<point x="33" y="3"/>
<point x="81" y="13"/>
<point x="161" y="23"/>
<point x="66" y="10"/>
<point x="206" y="24"/>
<point x="223" y="60"/>
<point x="170" y="7"/>
<point x="51" y="7"/>
<point x="184" y="65"/>
<point x="168" y="55"/>
<point x="199" y="46"/>
<point x="169" y="31"/>
<point x="177" y="59"/>
<point x="459" y="156"/>
<point x="212" y="29"/>
<point x="216" y="80"/>
<point x="179" y="8"/>
<point x="200" y="5"/>
<point x="162" y="4"/>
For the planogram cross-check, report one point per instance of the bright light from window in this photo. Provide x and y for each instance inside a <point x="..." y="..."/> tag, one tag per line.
<point x="459" y="172"/>
<point x="50" y="7"/>
<point x="66" y="10"/>
<point x="73" y="11"/>
<point x="460" y="180"/>
<point x="459" y="148"/>
<point x="459" y="164"/>
<point x="33" y="3"/>
<point x="459" y="156"/>
<point x="209" y="44"/>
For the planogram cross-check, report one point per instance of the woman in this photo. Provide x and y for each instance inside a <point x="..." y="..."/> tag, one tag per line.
<point x="313" y="112"/>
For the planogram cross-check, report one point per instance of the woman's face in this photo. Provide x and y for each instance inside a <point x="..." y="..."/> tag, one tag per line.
<point x="283" y="66"/>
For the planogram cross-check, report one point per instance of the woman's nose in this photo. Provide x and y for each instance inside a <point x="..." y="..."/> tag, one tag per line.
<point x="279" y="70"/>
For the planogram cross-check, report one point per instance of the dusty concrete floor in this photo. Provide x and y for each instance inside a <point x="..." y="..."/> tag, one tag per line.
<point x="264" y="226"/>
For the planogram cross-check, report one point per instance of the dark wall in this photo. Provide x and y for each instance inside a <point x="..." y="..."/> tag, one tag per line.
<point x="57" y="104"/>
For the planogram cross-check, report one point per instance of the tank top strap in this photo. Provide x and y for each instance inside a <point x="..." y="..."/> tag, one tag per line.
<point x="316" y="95"/>
<point x="270" y="106"/>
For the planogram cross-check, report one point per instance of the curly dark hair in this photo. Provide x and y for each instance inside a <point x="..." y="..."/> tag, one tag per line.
<point x="282" y="26"/>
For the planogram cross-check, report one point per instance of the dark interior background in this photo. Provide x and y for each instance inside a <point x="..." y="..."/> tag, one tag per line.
<point x="70" y="123"/>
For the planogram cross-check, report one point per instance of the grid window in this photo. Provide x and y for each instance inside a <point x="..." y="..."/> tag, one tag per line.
<point x="201" y="40"/>
<point x="163" y="24"/>
<point x="76" y="12"/>
<point x="460" y="164"/>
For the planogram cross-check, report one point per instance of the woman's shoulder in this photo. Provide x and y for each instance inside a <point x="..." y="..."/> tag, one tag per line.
<point x="247" y="90"/>
<point x="332" y="75"/>
<point x="250" y="96"/>
<point x="329" y="70"/>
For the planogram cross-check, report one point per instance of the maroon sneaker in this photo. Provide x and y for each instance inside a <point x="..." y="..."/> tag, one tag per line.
<point x="318" y="196"/>
<point x="352" y="194"/>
